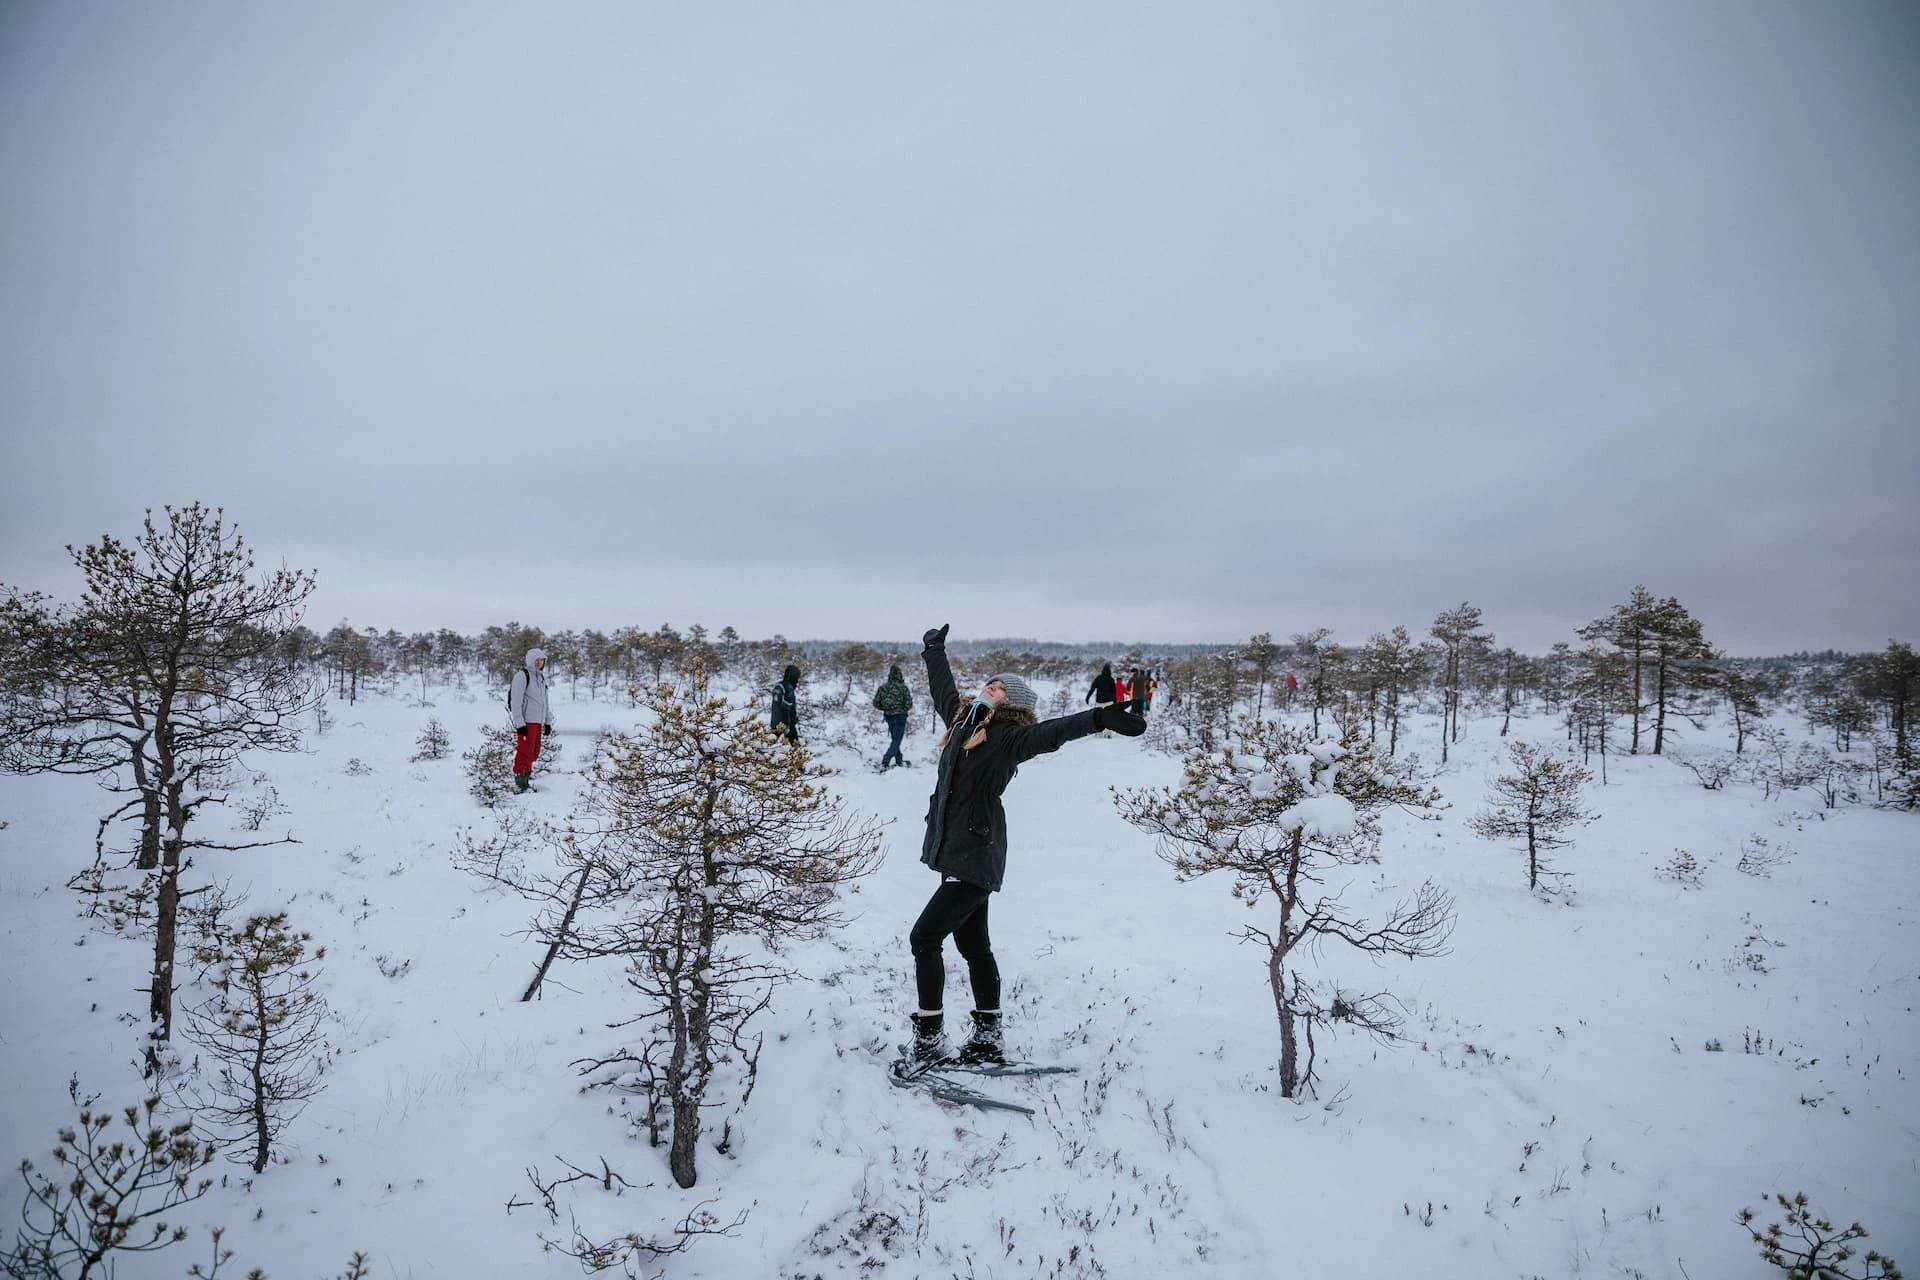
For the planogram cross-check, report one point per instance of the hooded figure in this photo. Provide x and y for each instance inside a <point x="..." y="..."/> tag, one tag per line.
<point x="894" y="701"/>
<point x="1101" y="693"/>
<point x="532" y="715"/>
<point x="786" y="705"/>
<point x="988" y="738"/>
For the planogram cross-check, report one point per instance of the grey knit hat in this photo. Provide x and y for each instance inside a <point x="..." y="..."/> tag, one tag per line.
<point x="1019" y="692"/>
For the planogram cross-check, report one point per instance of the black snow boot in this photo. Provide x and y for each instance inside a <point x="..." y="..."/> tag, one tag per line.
<point x="984" y="1047"/>
<point x="522" y="782"/>
<point x="928" y="1044"/>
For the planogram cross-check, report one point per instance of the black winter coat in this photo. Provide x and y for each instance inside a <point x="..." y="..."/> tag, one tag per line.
<point x="966" y="824"/>
<point x="786" y="702"/>
<point x="1102" y="689"/>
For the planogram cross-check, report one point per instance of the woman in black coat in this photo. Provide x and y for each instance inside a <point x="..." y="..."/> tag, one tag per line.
<point x="988" y="738"/>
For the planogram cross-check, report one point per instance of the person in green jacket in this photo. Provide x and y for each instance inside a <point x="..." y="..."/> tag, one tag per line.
<point x="894" y="701"/>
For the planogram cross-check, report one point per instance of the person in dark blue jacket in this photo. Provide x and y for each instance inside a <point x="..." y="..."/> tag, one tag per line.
<point x="786" y="705"/>
<point x="988" y="738"/>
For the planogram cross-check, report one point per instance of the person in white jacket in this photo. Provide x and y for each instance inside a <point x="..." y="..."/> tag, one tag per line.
<point x="532" y="715"/>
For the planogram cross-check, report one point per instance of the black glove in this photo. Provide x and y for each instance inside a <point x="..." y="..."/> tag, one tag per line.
<point x="547" y="729"/>
<point x="1121" y="722"/>
<point x="521" y="732"/>
<point x="936" y="639"/>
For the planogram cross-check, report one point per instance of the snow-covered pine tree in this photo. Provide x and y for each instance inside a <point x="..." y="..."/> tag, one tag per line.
<point x="1538" y="802"/>
<point x="1281" y="812"/>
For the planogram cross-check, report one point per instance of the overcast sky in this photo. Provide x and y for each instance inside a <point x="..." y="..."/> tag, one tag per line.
<point x="1072" y="321"/>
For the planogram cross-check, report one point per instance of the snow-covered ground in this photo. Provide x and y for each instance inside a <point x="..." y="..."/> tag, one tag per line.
<point x="1557" y="1110"/>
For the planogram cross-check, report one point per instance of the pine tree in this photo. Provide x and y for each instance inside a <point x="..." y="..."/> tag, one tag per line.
<point x="1260" y="652"/>
<point x="1318" y="659"/>
<point x="168" y="669"/>
<point x="1666" y="652"/>
<point x="1600" y="693"/>
<point x="263" y="1027"/>
<point x="433" y="742"/>
<point x="1537" y="802"/>
<point x="1398" y="666"/>
<point x="1892" y="681"/>
<point x="1281" y="811"/>
<point x="1463" y="639"/>
<point x="728" y="835"/>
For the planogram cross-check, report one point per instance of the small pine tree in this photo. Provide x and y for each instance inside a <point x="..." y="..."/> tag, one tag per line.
<point x="263" y="1027"/>
<point x="433" y="742"/>
<point x="1279" y="810"/>
<point x="727" y="837"/>
<point x="490" y="767"/>
<point x="108" y="1192"/>
<point x="1539" y="801"/>
<point x="1809" y="1247"/>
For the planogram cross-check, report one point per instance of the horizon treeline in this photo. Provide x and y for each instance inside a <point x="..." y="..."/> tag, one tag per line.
<point x="1646" y="663"/>
<point x="1626" y="681"/>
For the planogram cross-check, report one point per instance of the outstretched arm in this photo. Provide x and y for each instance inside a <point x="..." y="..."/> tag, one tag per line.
<point x="1050" y="735"/>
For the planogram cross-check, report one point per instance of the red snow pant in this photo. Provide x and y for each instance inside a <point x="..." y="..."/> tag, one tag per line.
<point x="526" y="750"/>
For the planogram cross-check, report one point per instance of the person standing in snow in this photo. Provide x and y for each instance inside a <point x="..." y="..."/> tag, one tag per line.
<point x="532" y="716"/>
<point x="1102" y="690"/>
<point x="894" y="701"/>
<point x="988" y="737"/>
<point x="786" y="705"/>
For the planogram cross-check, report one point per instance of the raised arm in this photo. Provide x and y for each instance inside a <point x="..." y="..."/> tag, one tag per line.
<point x="946" y="695"/>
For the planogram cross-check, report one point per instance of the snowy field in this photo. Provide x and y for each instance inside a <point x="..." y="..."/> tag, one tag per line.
<point x="1592" y="1086"/>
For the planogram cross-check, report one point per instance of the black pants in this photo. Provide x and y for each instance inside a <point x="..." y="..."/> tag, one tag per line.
<point x="959" y="909"/>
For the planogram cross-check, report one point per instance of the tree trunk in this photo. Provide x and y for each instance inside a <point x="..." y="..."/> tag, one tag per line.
<point x="262" y="1030"/>
<point x="1289" y="1047"/>
<point x="559" y="935"/>
<point x="160" y="990"/>
<point x="1636" y="702"/>
<point x="1660" y="705"/>
<point x="149" y="832"/>
<point x="166" y="927"/>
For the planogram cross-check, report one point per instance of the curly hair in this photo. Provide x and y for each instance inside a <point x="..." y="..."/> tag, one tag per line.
<point x="1005" y="715"/>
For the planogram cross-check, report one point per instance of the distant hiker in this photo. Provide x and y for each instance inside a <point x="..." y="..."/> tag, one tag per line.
<point x="1143" y="692"/>
<point x="1121" y="696"/>
<point x="1101" y="694"/>
<point x="532" y="716"/>
<point x="1136" y="692"/>
<point x="894" y="701"/>
<point x="786" y="705"/>
<point x="1293" y="687"/>
<point x="988" y="737"/>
